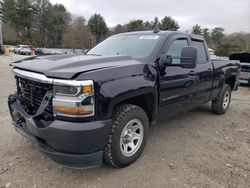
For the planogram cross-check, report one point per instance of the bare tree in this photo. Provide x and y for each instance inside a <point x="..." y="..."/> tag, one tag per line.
<point x="78" y="35"/>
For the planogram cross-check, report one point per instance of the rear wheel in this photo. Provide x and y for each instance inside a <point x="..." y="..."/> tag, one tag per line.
<point x="127" y="136"/>
<point x="221" y="104"/>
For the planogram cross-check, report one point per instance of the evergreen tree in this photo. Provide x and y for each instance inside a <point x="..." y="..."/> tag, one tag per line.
<point x="168" y="23"/>
<point x="197" y="30"/>
<point x="98" y="26"/>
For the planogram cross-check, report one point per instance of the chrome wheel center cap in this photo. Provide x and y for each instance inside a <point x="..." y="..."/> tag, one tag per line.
<point x="128" y="136"/>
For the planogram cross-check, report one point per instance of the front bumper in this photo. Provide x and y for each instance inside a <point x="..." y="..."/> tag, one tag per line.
<point x="244" y="78"/>
<point x="72" y="144"/>
<point x="242" y="81"/>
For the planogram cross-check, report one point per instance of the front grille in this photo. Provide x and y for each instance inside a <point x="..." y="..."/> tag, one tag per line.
<point x="31" y="94"/>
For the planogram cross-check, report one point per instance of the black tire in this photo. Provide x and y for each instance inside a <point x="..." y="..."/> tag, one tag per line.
<point x="218" y="105"/>
<point x="123" y="114"/>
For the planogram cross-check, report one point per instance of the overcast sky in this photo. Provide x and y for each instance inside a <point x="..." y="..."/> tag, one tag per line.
<point x="233" y="15"/>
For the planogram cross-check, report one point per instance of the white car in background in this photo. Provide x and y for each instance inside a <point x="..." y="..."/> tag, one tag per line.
<point x="22" y="49"/>
<point x="17" y="49"/>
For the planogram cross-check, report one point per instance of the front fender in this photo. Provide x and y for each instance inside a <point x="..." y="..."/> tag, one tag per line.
<point x="116" y="91"/>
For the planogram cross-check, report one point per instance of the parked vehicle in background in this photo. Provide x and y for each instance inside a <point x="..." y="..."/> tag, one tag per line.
<point x="23" y="50"/>
<point x="40" y="51"/>
<point x="8" y="48"/>
<point x="82" y="109"/>
<point x="54" y="52"/>
<point x="44" y="51"/>
<point x="57" y="53"/>
<point x="1" y="49"/>
<point x="17" y="49"/>
<point x="33" y="49"/>
<point x="244" y="59"/>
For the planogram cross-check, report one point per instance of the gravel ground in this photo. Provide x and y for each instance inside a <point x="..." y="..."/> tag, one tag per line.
<point x="195" y="149"/>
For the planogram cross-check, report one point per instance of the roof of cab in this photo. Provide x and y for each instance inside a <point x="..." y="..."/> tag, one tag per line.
<point x="161" y="32"/>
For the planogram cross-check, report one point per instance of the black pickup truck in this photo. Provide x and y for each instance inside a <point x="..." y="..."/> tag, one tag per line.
<point x="81" y="110"/>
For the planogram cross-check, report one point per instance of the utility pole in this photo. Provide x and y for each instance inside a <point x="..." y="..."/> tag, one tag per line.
<point x="1" y="35"/>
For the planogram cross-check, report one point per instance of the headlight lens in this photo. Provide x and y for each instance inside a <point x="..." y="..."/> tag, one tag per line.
<point x="66" y="90"/>
<point x="74" y="99"/>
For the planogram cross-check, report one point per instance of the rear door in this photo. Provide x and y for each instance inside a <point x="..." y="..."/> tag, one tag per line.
<point x="177" y="84"/>
<point x="204" y="72"/>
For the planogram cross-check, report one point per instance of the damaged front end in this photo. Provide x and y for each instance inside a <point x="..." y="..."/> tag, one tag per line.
<point x="34" y="100"/>
<point x="75" y="144"/>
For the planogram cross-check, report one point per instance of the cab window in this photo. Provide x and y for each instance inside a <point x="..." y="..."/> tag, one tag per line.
<point x="176" y="48"/>
<point x="201" y="55"/>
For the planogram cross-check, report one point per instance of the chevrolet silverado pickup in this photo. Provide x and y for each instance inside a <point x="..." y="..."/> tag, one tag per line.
<point x="81" y="110"/>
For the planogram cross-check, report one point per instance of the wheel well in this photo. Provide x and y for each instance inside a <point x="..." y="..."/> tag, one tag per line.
<point x="146" y="102"/>
<point x="231" y="82"/>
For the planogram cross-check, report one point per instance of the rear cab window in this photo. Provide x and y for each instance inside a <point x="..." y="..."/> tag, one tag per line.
<point x="201" y="55"/>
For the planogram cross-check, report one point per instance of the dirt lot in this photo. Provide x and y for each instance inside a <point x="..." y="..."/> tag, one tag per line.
<point x="195" y="149"/>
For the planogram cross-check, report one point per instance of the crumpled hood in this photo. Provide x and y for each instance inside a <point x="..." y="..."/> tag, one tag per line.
<point x="67" y="66"/>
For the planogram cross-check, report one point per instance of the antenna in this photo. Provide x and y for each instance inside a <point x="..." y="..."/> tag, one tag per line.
<point x="156" y="30"/>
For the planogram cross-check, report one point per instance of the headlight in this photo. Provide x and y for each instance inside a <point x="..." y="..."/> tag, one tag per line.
<point x="66" y="90"/>
<point x="73" y="98"/>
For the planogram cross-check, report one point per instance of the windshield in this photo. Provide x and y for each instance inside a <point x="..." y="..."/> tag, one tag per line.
<point x="136" y="46"/>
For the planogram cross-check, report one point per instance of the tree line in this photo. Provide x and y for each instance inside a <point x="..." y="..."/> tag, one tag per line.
<point x="223" y="44"/>
<point x="41" y="23"/>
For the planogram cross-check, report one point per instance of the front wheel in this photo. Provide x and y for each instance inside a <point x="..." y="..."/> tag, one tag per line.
<point x="127" y="137"/>
<point x="221" y="103"/>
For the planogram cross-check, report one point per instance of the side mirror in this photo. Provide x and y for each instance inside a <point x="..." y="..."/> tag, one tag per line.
<point x="189" y="57"/>
<point x="165" y="60"/>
